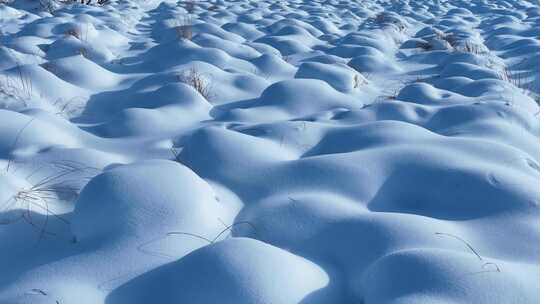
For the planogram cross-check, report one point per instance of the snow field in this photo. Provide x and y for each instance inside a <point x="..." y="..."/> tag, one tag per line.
<point x="270" y="152"/>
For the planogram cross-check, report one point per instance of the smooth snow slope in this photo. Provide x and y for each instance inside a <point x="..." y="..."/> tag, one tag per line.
<point x="377" y="151"/>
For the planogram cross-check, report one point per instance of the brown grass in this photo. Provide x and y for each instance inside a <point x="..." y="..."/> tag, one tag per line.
<point x="194" y="78"/>
<point x="184" y="31"/>
<point x="189" y="5"/>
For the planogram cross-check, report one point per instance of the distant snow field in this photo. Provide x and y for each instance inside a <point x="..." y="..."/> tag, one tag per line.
<point x="270" y="152"/>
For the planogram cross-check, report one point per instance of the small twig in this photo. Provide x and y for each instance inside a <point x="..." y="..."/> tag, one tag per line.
<point x="232" y="226"/>
<point x="142" y="249"/>
<point x="37" y="291"/>
<point x="175" y="154"/>
<point x="463" y="241"/>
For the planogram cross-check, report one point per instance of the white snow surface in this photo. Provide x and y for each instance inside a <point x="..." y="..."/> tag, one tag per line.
<point x="270" y="152"/>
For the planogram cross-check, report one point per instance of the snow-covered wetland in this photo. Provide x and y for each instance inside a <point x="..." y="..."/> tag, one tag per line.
<point x="270" y="152"/>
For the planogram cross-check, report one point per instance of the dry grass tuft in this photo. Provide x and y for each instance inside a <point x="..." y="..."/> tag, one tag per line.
<point x="64" y="184"/>
<point x="184" y="31"/>
<point x="198" y="81"/>
<point x="189" y="5"/>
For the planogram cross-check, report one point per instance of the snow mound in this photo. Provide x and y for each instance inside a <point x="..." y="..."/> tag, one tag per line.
<point x="237" y="270"/>
<point x="122" y="213"/>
